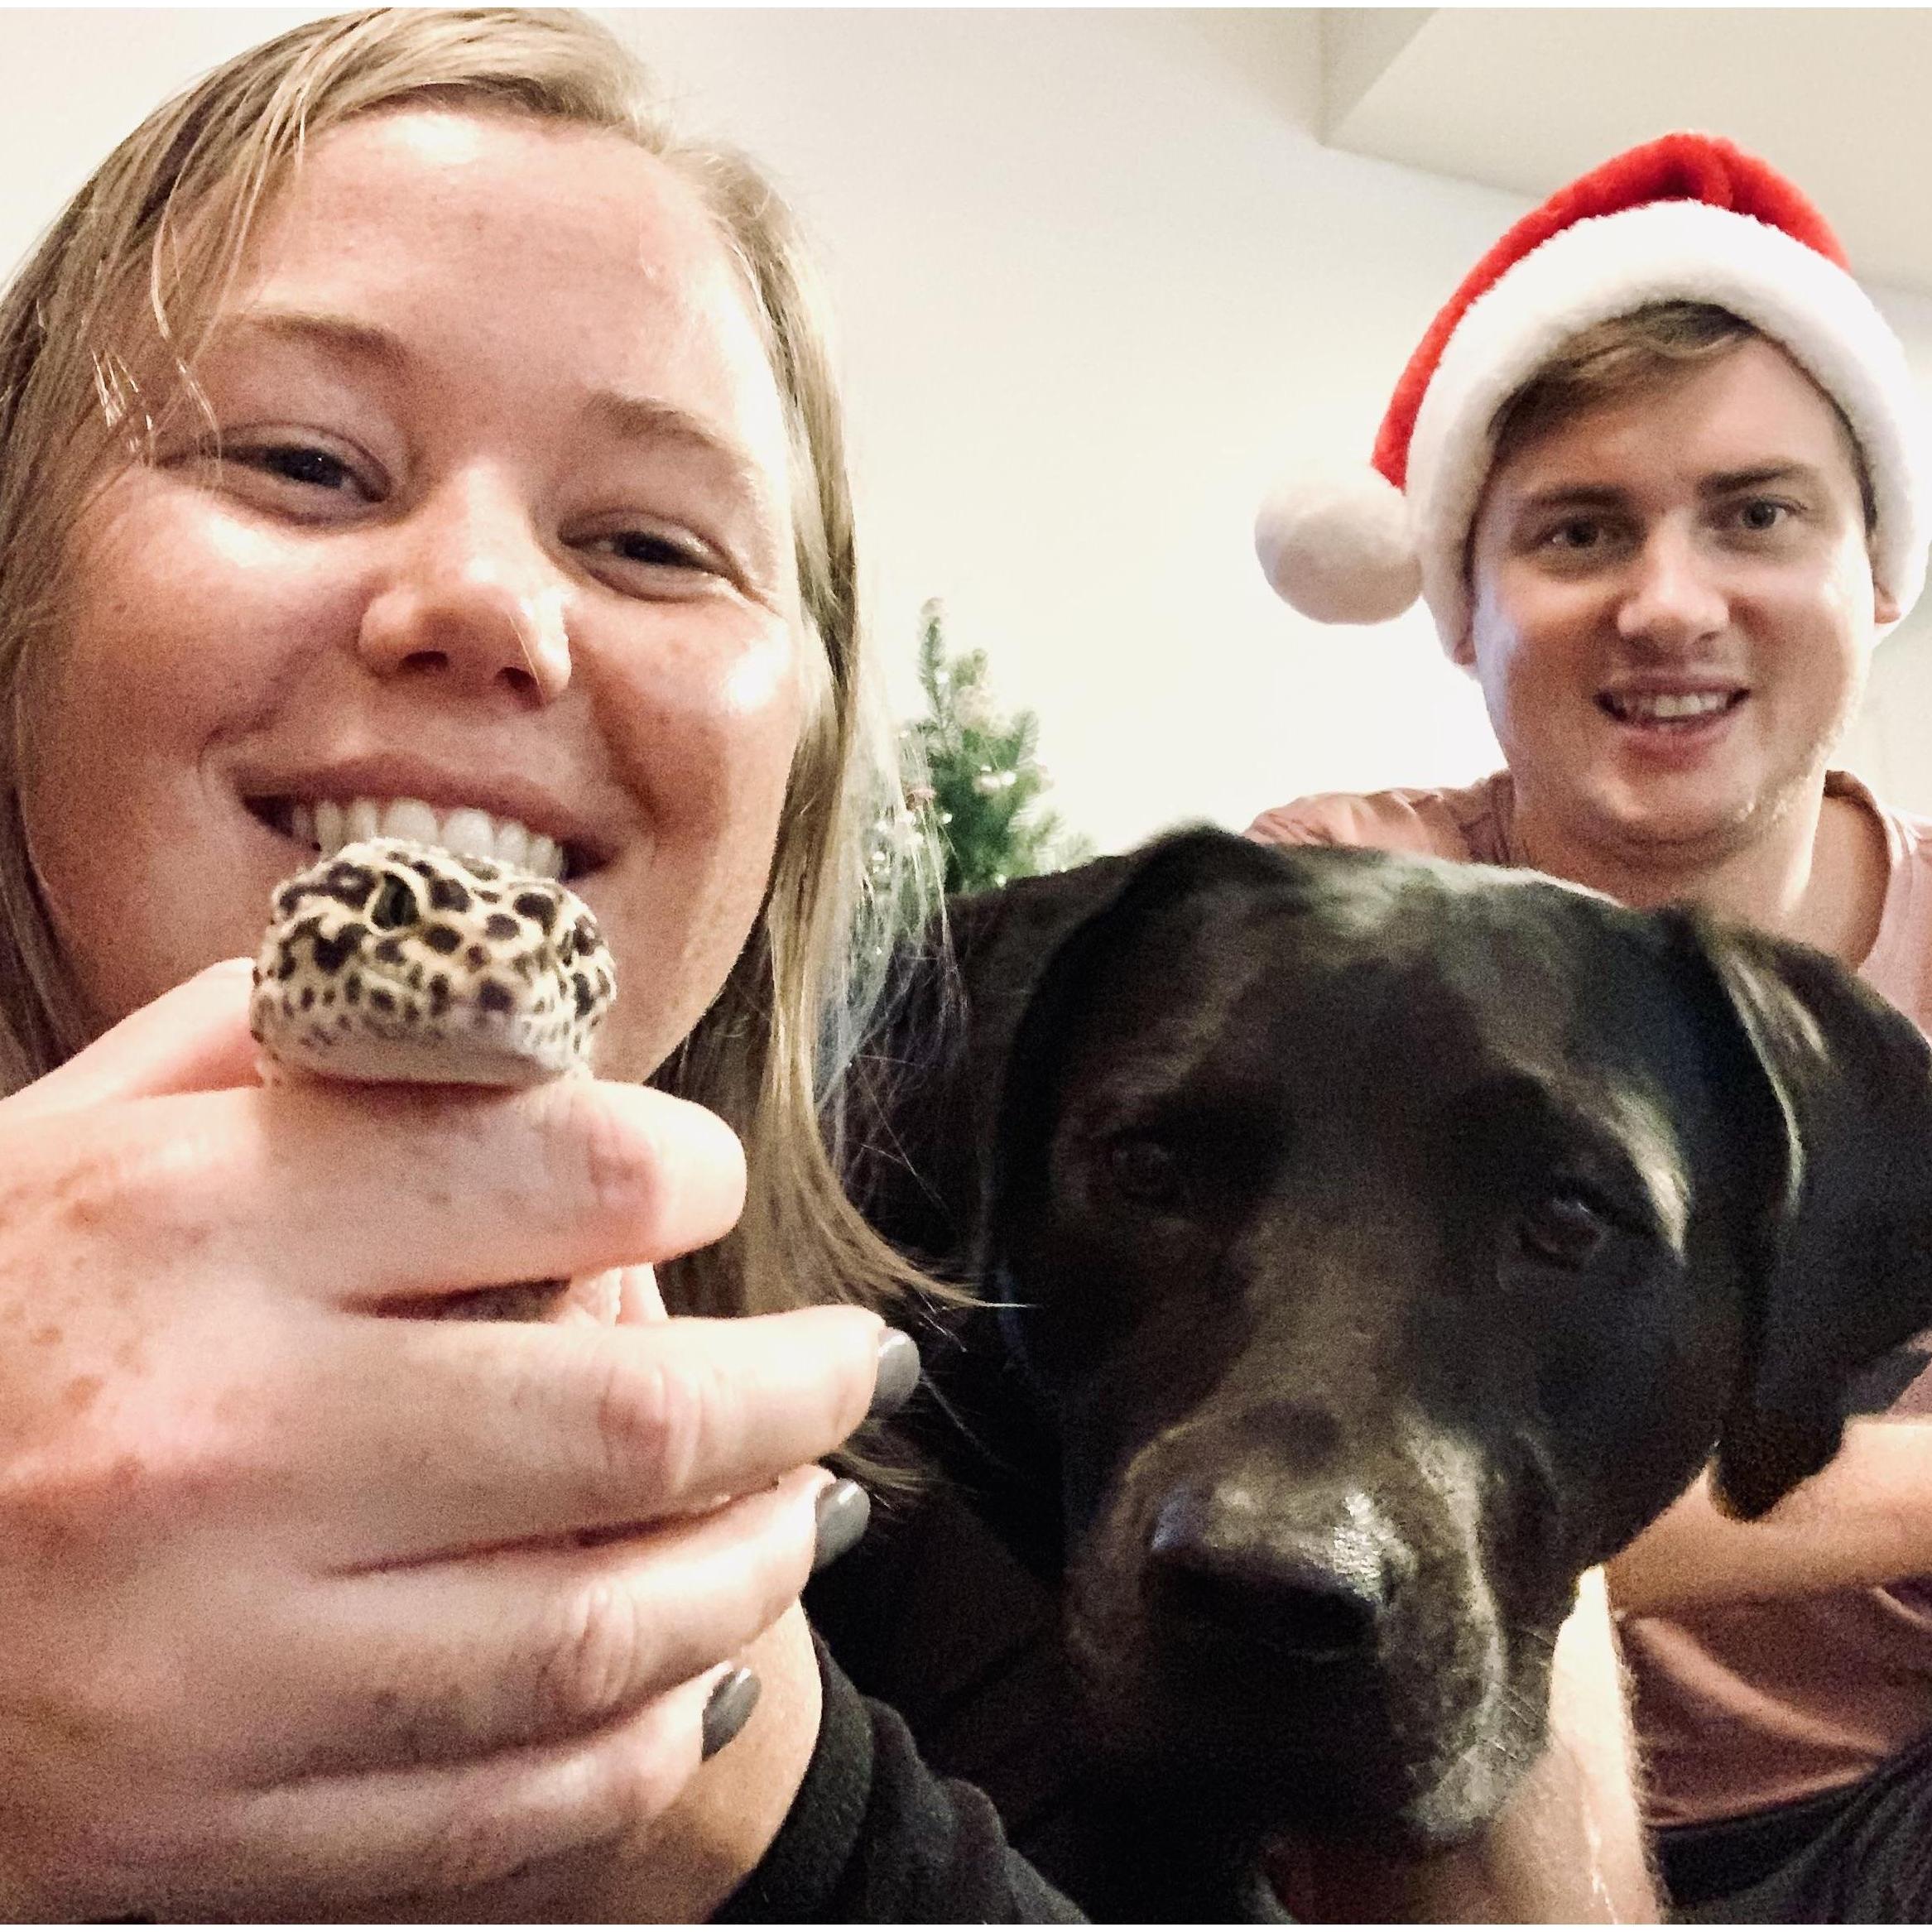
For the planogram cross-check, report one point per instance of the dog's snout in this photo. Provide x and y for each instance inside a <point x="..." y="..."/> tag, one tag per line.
<point x="1315" y="1593"/>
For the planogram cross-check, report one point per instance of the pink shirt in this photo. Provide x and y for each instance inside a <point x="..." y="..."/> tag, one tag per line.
<point x="1747" y="1706"/>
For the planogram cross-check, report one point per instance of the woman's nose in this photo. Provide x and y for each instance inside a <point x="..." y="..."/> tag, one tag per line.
<point x="1674" y="598"/>
<point x="472" y="597"/>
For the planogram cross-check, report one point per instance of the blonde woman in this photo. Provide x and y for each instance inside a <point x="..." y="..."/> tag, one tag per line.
<point x="404" y="412"/>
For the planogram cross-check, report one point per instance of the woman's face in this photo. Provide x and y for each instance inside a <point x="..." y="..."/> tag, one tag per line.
<point x="502" y="526"/>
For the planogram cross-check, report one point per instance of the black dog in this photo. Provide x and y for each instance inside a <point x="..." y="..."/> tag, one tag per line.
<point x="1366" y="1247"/>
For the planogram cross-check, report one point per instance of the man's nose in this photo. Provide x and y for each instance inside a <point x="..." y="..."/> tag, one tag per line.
<point x="1674" y="596"/>
<point x="473" y="596"/>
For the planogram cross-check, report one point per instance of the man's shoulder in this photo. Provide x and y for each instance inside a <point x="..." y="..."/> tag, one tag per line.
<point x="1462" y="822"/>
<point x="1900" y="964"/>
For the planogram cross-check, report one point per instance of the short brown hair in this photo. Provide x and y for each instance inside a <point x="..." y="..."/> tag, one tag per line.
<point x="1629" y="355"/>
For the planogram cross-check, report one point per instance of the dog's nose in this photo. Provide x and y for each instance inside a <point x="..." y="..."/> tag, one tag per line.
<point x="1317" y="1593"/>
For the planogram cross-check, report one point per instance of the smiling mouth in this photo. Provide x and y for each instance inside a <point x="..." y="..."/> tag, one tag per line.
<point x="1670" y="710"/>
<point x="326" y="826"/>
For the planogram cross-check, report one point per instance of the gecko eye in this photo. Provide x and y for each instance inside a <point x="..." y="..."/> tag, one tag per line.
<point x="395" y="905"/>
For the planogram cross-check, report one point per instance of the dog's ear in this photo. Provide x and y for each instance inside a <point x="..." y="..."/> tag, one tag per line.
<point x="1843" y="1274"/>
<point x="1035" y="1024"/>
<point x="1003" y="940"/>
<point x="913" y="1140"/>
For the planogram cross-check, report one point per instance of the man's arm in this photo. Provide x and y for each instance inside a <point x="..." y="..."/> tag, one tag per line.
<point x="1864" y="1520"/>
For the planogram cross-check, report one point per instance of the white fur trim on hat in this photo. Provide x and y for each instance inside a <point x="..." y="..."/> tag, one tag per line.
<point x="1608" y="266"/>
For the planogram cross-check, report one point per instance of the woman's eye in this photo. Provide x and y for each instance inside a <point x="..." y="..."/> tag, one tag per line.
<point x="295" y="462"/>
<point x="301" y="480"/>
<point x="1566" y="1228"/>
<point x="651" y="550"/>
<point x="314" y="467"/>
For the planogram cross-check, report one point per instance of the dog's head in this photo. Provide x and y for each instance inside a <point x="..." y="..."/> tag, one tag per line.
<point x="1388" y="1242"/>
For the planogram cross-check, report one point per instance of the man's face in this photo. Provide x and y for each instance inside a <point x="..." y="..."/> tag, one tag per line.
<point x="1671" y="606"/>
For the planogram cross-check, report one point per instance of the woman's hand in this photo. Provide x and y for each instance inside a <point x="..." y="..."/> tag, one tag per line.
<point x="304" y="1606"/>
<point x="676" y="1866"/>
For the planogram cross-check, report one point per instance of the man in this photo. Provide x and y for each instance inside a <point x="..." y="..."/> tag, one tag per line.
<point x="1664" y="489"/>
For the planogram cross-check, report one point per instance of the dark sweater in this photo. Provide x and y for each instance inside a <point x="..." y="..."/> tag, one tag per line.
<point x="875" y="1837"/>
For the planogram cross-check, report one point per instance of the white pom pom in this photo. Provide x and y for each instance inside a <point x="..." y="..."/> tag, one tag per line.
<point x="1337" y="547"/>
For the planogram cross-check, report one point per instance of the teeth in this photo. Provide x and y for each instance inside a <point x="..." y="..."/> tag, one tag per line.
<point x="406" y="817"/>
<point x="1666" y="705"/>
<point x="512" y="843"/>
<point x="465" y="829"/>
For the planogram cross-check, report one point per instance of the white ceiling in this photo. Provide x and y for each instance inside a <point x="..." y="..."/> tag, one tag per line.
<point x="1526" y="99"/>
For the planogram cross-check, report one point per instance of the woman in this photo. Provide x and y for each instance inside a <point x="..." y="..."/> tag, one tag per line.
<point x="404" y="412"/>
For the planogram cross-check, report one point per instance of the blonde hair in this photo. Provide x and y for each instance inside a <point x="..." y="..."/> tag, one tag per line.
<point x="98" y="335"/>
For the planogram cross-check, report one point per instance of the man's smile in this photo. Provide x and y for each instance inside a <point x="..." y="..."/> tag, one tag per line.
<point x="1676" y="709"/>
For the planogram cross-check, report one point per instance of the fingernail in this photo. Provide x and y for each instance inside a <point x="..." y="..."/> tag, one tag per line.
<point x="898" y="1373"/>
<point x="844" y="1510"/>
<point x="732" y="1700"/>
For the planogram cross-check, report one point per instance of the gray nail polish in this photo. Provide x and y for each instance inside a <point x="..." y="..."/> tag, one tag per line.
<point x="844" y="1510"/>
<point x="898" y="1373"/>
<point x="732" y="1700"/>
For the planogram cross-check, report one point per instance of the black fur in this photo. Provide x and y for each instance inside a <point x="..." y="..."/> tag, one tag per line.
<point x="1383" y="1244"/>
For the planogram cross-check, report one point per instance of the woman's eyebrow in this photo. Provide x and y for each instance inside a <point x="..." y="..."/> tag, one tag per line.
<point x="650" y="418"/>
<point x="337" y="335"/>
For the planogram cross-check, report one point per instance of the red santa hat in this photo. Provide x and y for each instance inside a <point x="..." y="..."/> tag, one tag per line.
<point x="1686" y="218"/>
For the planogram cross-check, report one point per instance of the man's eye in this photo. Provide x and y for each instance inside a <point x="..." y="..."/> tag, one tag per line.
<point x="1762" y="514"/>
<point x="1575" y="533"/>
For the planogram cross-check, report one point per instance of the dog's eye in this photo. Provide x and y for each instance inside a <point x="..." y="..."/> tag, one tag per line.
<point x="1566" y="1228"/>
<point x="1145" y="1172"/>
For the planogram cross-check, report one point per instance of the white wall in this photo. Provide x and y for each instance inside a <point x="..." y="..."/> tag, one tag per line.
<point x="1098" y="281"/>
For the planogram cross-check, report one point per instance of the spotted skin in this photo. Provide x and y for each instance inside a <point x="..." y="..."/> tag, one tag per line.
<point x="394" y="962"/>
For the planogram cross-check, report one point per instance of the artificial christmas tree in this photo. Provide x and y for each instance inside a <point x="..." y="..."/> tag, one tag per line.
<point x="975" y="776"/>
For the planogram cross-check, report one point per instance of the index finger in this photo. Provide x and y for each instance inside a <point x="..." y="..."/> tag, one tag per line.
<point x="455" y="1436"/>
<point x="369" y="1195"/>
